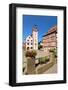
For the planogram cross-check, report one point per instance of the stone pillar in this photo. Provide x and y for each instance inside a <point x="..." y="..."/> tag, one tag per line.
<point x="30" y="66"/>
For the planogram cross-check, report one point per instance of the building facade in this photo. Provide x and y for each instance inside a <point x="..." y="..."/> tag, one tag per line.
<point x="50" y="39"/>
<point x="29" y="43"/>
<point x="32" y="40"/>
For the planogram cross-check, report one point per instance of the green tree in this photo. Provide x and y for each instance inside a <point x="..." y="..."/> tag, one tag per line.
<point x="39" y="46"/>
<point x="31" y="53"/>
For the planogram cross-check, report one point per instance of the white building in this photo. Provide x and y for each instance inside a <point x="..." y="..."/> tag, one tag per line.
<point x="29" y="42"/>
<point x="32" y="40"/>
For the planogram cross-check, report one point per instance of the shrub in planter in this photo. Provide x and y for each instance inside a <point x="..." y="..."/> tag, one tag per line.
<point x="46" y="59"/>
<point x="43" y="60"/>
<point x="54" y="51"/>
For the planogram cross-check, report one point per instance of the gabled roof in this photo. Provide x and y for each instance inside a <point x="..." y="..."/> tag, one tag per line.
<point x="51" y="30"/>
<point x="28" y="37"/>
<point x="35" y="28"/>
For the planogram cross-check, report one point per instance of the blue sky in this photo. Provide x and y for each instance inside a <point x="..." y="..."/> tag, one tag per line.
<point x="44" y="23"/>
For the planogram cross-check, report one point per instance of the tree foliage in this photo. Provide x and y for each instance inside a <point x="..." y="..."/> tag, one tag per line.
<point x="31" y="53"/>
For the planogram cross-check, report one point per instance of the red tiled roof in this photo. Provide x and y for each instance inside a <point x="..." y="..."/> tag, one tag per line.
<point x="51" y="30"/>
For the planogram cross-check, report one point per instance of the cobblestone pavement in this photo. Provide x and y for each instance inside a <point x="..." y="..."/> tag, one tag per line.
<point x="52" y="70"/>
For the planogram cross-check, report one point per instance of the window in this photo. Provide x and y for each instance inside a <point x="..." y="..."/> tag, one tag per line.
<point x="29" y="37"/>
<point x="31" y="43"/>
<point x="27" y="40"/>
<point x="27" y="43"/>
<point x="31" y="47"/>
<point x="31" y="40"/>
<point x="27" y="48"/>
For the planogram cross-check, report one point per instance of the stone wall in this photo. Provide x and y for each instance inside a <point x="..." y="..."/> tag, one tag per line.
<point x="30" y="66"/>
<point x="31" y="69"/>
<point x="42" y="68"/>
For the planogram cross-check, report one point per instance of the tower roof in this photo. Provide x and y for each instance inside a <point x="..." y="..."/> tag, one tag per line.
<point x="35" y="28"/>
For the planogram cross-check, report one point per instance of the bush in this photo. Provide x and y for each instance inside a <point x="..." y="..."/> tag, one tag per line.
<point x="28" y="54"/>
<point x="39" y="46"/>
<point x="54" y="51"/>
<point x="46" y="58"/>
<point x="51" y="50"/>
<point x="43" y="60"/>
<point x="31" y="53"/>
<point x="55" y="54"/>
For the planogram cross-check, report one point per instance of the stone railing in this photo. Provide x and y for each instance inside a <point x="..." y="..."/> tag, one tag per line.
<point x="32" y="69"/>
